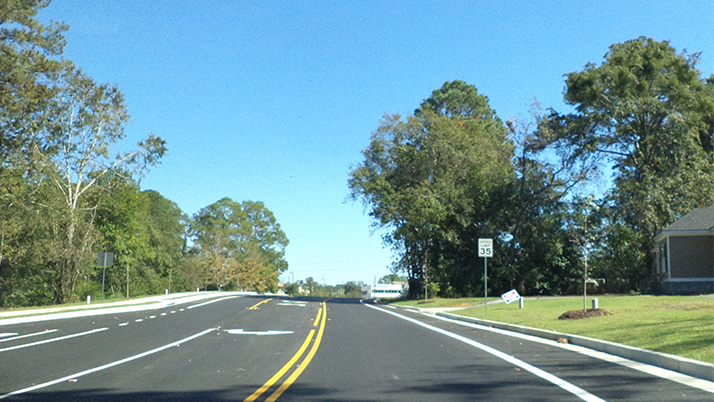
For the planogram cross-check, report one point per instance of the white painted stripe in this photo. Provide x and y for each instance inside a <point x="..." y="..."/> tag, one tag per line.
<point x="48" y="331"/>
<point x="210" y="301"/>
<point x="4" y="334"/>
<point x="292" y="304"/>
<point x="124" y="324"/>
<point x="27" y="345"/>
<point x="152" y="316"/>
<point x="577" y="391"/>
<point x="704" y="385"/>
<point x="106" y="366"/>
<point x="139" y="320"/>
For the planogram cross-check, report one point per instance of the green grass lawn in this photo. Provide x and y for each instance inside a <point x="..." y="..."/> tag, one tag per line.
<point x="679" y="325"/>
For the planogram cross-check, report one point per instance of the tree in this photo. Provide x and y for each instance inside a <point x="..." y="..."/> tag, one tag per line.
<point x="27" y="244"/>
<point x="353" y="289"/>
<point x="28" y="68"/>
<point x="293" y="289"/>
<point x="433" y="179"/>
<point x="387" y="279"/>
<point x="166" y="224"/>
<point x="145" y="232"/>
<point x="646" y="111"/>
<point x="246" y="237"/>
<point x="56" y="129"/>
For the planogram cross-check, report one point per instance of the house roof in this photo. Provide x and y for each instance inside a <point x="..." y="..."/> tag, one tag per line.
<point x="699" y="221"/>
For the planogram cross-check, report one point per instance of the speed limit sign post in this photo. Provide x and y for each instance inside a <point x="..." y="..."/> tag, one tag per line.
<point x="485" y="250"/>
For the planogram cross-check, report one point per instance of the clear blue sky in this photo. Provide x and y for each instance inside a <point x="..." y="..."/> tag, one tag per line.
<point x="273" y="101"/>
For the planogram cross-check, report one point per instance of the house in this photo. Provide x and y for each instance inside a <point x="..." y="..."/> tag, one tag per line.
<point x="685" y="254"/>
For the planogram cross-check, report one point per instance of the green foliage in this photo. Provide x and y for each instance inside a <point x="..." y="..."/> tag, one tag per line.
<point x="293" y="289"/>
<point x="56" y="128"/>
<point x="28" y="68"/>
<point x="433" y="180"/>
<point x="391" y="278"/>
<point x="144" y="231"/>
<point x="237" y="242"/>
<point x="448" y="175"/>
<point x="647" y="111"/>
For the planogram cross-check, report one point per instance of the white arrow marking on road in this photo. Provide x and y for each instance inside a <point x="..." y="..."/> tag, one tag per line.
<point x="259" y="333"/>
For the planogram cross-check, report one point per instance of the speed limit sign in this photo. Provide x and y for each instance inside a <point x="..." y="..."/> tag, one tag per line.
<point x="485" y="247"/>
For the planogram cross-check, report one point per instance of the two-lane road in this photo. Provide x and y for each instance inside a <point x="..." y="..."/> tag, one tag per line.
<point x="291" y="349"/>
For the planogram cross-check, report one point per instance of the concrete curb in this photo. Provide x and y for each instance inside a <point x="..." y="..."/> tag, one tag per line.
<point x="143" y="304"/>
<point x="679" y="364"/>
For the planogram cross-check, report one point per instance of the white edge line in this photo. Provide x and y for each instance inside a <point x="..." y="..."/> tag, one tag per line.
<point x="49" y="331"/>
<point x="684" y="379"/>
<point x="211" y="301"/>
<point x="577" y="391"/>
<point x="27" y="345"/>
<point x="106" y="366"/>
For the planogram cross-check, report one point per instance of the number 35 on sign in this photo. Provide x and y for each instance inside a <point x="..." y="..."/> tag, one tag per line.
<point x="485" y="247"/>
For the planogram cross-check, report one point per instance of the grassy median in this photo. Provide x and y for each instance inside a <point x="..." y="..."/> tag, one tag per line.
<point x="678" y="325"/>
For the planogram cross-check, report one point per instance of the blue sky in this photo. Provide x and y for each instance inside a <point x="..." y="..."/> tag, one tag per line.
<point x="273" y="101"/>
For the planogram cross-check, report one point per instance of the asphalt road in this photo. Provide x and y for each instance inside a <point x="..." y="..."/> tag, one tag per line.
<point x="292" y="349"/>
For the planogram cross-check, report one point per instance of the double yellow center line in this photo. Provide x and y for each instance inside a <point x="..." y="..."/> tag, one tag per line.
<point x="255" y="307"/>
<point x="291" y="379"/>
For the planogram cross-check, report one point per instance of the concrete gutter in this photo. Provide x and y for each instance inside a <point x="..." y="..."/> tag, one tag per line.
<point x="694" y="368"/>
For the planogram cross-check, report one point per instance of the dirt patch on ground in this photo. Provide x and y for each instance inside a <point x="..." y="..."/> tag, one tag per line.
<point x="579" y="314"/>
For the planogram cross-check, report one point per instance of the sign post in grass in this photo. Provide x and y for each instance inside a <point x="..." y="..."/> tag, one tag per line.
<point x="485" y="250"/>
<point x="105" y="259"/>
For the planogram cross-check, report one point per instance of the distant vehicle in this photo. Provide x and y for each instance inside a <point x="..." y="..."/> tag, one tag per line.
<point x="380" y="291"/>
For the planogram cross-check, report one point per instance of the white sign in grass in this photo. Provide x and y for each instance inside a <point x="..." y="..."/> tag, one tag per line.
<point x="511" y="296"/>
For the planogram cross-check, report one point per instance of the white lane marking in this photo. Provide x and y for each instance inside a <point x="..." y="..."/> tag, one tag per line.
<point x="152" y="316"/>
<point x="210" y="301"/>
<point x="292" y="304"/>
<point x="139" y="320"/>
<point x="4" y="334"/>
<point x="106" y="366"/>
<point x="27" y="345"/>
<point x="163" y="313"/>
<point x="124" y="324"/>
<point x="259" y="333"/>
<point x="47" y="331"/>
<point x="173" y="311"/>
<point x="577" y="391"/>
<point x="704" y="385"/>
<point x="181" y="309"/>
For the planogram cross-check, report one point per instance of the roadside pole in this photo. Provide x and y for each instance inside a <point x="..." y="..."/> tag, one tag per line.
<point x="485" y="250"/>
